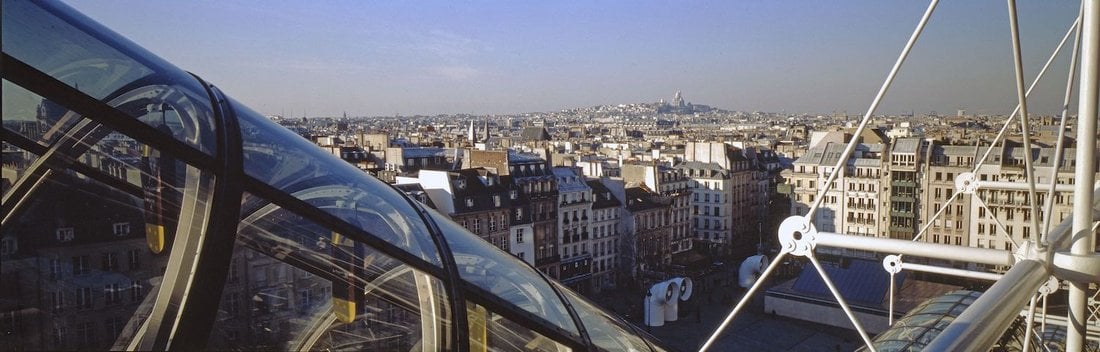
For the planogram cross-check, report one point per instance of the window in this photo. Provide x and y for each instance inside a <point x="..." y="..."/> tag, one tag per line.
<point x="55" y="268"/>
<point x="110" y="261"/>
<point x="305" y="299"/>
<point x="85" y="334"/>
<point x="64" y="234"/>
<point x="59" y="336"/>
<point x="134" y="259"/>
<point x="113" y="326"/>
<point x="492" y="223"/>
<point x="80" y="265"/>
<point x="135" y="291"/>
<point x="121" y="228"/>
<point x="57" y="301"/>
<point x="112" y="294"/>
<point x="84" y="298"/>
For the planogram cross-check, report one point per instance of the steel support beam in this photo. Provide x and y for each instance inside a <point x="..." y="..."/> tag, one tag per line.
<point x="919" y="249"/>
<point x="970" y="274"/>
<point x="1081" y="239"/>
<point x="1017" y="186"/>
<point x="983" y="323"/>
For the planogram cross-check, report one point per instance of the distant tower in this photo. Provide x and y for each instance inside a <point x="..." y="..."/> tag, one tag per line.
<point x="678" y="100"/>
<point x="470" y="133"/>
<point x="486" y="136"/>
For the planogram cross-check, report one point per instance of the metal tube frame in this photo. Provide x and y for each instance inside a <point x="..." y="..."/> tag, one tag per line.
<point x="919" y="249"/>
<point x="970" y="274"/>
<point x="1082" y="233"/>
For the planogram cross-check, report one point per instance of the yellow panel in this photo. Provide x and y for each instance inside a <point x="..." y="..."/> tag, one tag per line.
<point x="155" y="238"/>
<point x="478" y="318"/>
<point x="344" y="309"/>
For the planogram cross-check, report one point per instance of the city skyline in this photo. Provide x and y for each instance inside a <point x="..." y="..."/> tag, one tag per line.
<point x="384" y="59"/>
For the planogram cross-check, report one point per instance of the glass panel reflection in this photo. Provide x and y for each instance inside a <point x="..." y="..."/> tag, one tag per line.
<point x="607" y="332"/>
<point x="15" y="164"/>
<point x="294" y="284"/>
<point x="76" y="269"/>
<point x="98" y="63"/>
<point x="36" y="118"/>
<point x="503" y="275"/>
<point x="292" y="164"/>
<point x="492" y="332"/>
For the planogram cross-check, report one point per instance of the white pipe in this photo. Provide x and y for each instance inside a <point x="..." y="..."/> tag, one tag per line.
<point x="1085" y="174"/>
<point x="1030" y="322"/>
<point x="1016" y="186"/>
<point x="657" y="302"/>
<point x="672" y="306"/>
<point x="985" y="320"/>
<point x="891" y="313"/>
<point x="1000" y="226"/>
<point x="951" y="271"/>
<point x="1059" y="146"/>
<point x="1025" y="123"/>
<point x="750" y="270"/>
<point x="920" y="249"/>
<point x="1093" y="333"/>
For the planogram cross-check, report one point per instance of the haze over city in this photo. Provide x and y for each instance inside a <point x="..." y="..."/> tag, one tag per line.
<point x="382" y="58"/>
<point x="488" y="176"/>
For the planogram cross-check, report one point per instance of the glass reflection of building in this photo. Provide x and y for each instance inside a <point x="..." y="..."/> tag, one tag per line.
<point x="143" y="209"/>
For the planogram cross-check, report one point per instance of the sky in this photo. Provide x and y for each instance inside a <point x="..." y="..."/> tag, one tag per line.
<point x="382" y="58"/>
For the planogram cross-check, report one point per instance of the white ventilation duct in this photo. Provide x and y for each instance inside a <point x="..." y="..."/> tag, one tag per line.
<point x="672" y="309"/>
<point x="686" y="288"/>
<point x="750" y="270"/>
<point x="658" y="300"/>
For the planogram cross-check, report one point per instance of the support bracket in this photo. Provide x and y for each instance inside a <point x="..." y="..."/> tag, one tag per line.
<point x="797" y="236"/>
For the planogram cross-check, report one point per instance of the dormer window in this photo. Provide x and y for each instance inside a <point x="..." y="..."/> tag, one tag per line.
<point x="496" y="200"/>
<point x="469" y="201"/>
<point x="121" y="228"/>
<point x="513" y="194"/>
<point x="64" y="234"/>
<point x="460" y="183"/>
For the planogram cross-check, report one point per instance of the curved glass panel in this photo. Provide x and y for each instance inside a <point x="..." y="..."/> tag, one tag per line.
<point x="15" y="161"/>
<point x="503" y="275"/>
<point x="34" y="117"/>
<point x="924" y="322"/>
<point x="294" y="284"/>
<point x="77" y="268"/>
<point x="80" y="53"/>
<point x="292" y="164"/>
<point x="492" y="332"/>
<point x="607" y="333"/>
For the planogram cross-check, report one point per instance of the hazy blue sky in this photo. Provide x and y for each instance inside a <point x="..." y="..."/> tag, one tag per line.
<point x="428" y="57"/>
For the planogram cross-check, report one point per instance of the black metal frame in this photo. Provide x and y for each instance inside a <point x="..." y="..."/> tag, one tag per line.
<point x="193" y="327"/>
